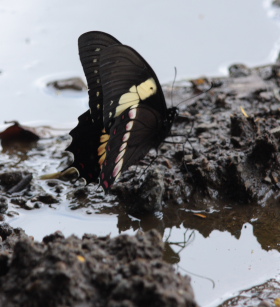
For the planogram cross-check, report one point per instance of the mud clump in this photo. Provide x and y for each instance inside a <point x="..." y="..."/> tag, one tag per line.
<point x="92" y="271"/>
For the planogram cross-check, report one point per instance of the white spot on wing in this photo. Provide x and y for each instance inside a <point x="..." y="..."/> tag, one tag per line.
<point x="117" y="168"/>
<point x="132" y="113"/>
<point x="147" y="89"/>
<point x="122" y="107"/>
<point x="126" y="137"/>
<point x="120" y="155"/>
<point x="135" y="93"/>
<point x="129" y="126"/>
<point x="118" y="176"/>
<point x="128" y="98"/>
<point x="133" y="89"/>
<point x="123" y="146"/>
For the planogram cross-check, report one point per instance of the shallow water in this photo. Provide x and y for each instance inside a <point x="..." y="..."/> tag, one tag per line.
<point x="198" y="38"/>
<point x="39" y="42"/>
<point x="220" y="263"/>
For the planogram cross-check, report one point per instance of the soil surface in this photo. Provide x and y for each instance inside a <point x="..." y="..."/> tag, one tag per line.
<point x="123" y="271"/>
<point x="222" y="161"/>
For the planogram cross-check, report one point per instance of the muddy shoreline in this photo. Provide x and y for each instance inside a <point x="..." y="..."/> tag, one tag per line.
<point x="228" y="169"/>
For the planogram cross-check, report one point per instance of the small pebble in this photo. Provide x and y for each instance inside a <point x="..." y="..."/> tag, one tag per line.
<point x="264" y="303"/>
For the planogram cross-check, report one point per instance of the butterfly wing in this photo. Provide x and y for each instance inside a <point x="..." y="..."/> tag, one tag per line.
<point x="127" y="110"/>
<point x="134" y="111"/>
<point x="91" y="45"/>
<point x="85" y="140"/>
<point x="133" y="134"/>
<point x="127" y="80"/>
<point x="86" y="135"/>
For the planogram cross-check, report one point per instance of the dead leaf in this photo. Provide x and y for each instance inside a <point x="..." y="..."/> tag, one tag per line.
<point x="203" y="216"/>
<point x="200" y="81"/>
<point x="19" y="133"/>
<point x="81" y="258"/>
<point x="244" y="112"/>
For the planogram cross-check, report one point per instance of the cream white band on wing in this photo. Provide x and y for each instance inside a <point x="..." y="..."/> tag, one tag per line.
<point x="135" y="94"/>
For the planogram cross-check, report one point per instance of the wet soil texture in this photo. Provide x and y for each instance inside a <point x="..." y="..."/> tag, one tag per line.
<point x="222" y="162"/>
<point x="123" y="271"/>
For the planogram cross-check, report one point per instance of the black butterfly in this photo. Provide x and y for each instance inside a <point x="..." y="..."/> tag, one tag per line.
<point x="127" y="116"/>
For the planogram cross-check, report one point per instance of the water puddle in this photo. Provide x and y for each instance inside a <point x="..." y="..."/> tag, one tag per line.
<point x="226" y="252"/>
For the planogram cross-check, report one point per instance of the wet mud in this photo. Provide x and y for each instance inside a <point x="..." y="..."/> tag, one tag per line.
<point x="265" y="295"/>
<point x="221" y="162"/>
<point x="92" y="271"/>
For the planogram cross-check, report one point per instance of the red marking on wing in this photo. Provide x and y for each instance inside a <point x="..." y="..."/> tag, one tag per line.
<point x="82" y="165"/>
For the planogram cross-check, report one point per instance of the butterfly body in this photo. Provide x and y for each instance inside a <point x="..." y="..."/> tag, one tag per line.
<point x="127" y="110"/>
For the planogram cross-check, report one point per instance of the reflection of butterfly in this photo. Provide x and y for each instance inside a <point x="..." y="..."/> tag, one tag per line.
<point x="127" y="116"/>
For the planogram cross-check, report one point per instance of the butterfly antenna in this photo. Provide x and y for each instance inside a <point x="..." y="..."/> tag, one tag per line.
<point x="172" y="89"/>
<point x="197" y="95"/>
<point x="173" y="83"/>
<point x="146" y="168"/>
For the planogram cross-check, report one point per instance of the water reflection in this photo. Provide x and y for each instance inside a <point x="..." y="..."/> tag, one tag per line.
<point x="264" y="220"/>
<point x="231" y="241"/>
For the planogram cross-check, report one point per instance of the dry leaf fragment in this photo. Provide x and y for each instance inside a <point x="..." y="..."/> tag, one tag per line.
<point x="19" y="133"/>
<point x="244" y="112"/>
<point x="81" y="258"/>
<point x="203" y="216"/>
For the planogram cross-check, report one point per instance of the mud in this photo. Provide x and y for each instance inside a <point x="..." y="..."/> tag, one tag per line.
<point x="92" y="271"/>
<point x="222" y="161"/>
<point x="232" y="153"/>
<point x="265" y="295"/>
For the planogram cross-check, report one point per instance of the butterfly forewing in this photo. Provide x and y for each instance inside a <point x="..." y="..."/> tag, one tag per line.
<point x="91" y="45"/>
<point x="127" y="80"/>
<point x="86" y="135"/>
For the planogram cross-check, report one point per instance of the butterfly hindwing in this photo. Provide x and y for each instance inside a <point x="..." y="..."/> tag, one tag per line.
<point x="85" y="139"/>
<point x="132" y="135"/>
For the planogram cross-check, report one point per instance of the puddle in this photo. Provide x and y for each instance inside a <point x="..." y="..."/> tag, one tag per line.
<point x="240" y="261"/>
<point x="61" y="86"/>
<point x="196" y="246"/>
<point x="197" y="37"/>
<point x="221" y="256"/>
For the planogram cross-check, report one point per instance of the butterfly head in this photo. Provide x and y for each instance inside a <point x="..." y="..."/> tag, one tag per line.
<point x="172" y="113"/>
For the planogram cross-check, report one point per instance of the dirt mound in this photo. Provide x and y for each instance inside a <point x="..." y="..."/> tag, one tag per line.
<point x="92" y="271"/>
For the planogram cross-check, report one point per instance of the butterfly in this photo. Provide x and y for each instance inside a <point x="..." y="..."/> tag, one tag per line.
<point x="127" y="113"/>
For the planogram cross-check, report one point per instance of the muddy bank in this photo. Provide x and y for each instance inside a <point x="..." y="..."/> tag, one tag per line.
<point x="224" y="149"/>
<point x="265" y="295"/>
<point x="92" y="271"/>
<point x="232" y="152"/>
<point x="224" y="166"/>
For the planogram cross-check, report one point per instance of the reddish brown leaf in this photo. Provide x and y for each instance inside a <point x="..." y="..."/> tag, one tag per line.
<point x="18" y="133"/>
<point x="203" y="216"/>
